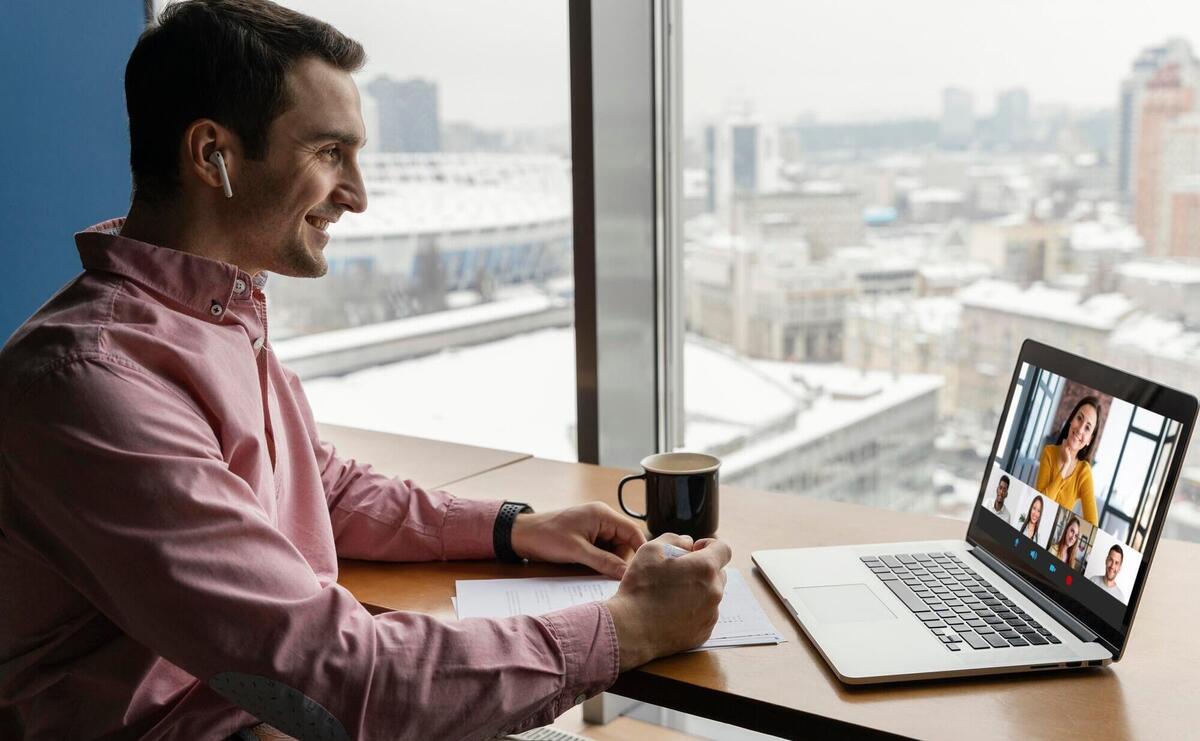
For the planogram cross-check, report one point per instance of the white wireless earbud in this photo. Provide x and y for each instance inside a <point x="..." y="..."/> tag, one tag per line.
<point x="219" y="161"/>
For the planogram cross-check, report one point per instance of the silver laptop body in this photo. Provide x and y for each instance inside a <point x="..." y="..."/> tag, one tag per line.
<point x="872" y="610"/>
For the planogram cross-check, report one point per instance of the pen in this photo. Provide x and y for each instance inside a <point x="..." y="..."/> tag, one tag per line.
<point x="673" y="551"/>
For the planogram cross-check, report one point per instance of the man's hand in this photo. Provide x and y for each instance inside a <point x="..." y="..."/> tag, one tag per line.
<point x="663" y="605"/>
<point x="592" y="534"/>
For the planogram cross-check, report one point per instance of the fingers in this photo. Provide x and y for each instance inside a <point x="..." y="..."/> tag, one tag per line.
<point x="603" y="562"/>
<point x="714" y="549"/>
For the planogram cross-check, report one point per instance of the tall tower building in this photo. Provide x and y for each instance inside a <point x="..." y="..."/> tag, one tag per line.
<point x="1129" y="103"/>
<point x="958" y="118"/>
<point x="1170" y="93"/>
<point x="1178" y="221"/>
<point x="1012" y="117"/>
<point x="743" y="159"/>
<point x="408" y="114"/>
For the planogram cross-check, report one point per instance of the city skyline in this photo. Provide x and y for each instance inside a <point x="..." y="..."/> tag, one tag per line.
<point x="508" y="66"/>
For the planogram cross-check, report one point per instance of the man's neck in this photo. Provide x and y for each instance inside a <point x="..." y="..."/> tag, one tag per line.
<point x="168" y="225"/>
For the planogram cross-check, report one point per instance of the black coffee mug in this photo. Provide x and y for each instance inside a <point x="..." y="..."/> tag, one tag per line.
<point x="681" y="494"/>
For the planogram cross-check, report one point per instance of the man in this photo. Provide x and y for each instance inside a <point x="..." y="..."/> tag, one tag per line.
<point x="999" y="507"/>
<point x="171" y="521"/>
<point x="1112" y="566"/>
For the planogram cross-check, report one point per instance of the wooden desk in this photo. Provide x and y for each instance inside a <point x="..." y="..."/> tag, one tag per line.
<point x="787" y="690"/>
<point x="433" y="464"/>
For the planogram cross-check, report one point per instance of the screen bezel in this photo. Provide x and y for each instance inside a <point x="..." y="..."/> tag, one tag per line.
<point x="1140" y="392"/>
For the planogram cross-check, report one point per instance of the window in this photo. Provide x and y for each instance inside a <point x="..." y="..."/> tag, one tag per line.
<point x="448" y="308"/>
<point x="870" y="232"/>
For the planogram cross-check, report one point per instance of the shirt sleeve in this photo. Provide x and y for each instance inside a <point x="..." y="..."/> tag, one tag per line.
<point x="380" y="518"/>
<point x="1087" y="492"/>
<point x="118" y="482"/>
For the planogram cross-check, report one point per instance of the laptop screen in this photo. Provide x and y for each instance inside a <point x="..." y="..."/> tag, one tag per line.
<point x="1079" y="481"/>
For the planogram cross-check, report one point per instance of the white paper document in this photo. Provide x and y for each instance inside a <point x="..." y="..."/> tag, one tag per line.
<point x="741" y="621"/>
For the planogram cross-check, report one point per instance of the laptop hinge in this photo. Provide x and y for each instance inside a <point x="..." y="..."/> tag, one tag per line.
<point x="1081" y="631"/>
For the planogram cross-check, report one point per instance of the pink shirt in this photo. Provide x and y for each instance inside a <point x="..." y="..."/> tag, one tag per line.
<point x="170" y="524"/>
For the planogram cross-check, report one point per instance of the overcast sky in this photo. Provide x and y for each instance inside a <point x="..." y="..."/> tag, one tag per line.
<point x="502" y="63"/>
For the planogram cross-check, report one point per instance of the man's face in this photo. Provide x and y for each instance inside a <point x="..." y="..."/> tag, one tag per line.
<point x="1112" y="565"/>
<point x="1001" y="493"/>
<point x="308" y="178"/>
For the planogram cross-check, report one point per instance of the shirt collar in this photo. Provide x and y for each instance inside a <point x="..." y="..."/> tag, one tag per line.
<point x="204" y="285"/>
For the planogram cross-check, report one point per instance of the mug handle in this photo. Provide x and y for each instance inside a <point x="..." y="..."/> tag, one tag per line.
<point x="620" y="496"/>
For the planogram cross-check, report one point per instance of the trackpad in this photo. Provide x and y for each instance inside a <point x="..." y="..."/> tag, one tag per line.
<point x="843" y="603"/>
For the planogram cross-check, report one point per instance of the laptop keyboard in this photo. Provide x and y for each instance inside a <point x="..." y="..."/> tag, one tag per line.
<point x="955" y="603"/>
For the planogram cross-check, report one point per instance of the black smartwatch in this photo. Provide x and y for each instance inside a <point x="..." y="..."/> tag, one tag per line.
<point x="502" y="531"/>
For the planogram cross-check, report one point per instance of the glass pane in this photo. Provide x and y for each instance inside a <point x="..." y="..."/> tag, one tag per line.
<point x="447" y="311"/>
<point x="1148" y="421"/>
<point x="856" y="227"/>
<point x="1132" y="474"/>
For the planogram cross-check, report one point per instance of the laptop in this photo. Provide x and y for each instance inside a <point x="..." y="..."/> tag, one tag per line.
<point x="1056" y="555"/>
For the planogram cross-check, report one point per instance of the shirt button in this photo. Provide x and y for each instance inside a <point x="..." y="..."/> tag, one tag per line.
<point x="258" y="344"/>
<point x="239" y="286"/>
<point x="216" y="309"/>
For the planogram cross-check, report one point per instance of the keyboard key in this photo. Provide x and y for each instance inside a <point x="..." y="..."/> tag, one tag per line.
<point x="1052" y="639"/>
<point x="944" y="613"/>
<point x="1018" y="641"/>
<point x="1024" y="629"/>
<point x="890" y="561"/>
<point x="905" y="558"/>
<point x="996" y="640"/>
<point x="1035" y="639"/>
<point x="975" y="641"/>
<point x="993" y="620"/>
<point x="906" y="596"/>
<point x="889" y="577"/>
<point x="953" y="646"/>
<point x="1010" y="634"/>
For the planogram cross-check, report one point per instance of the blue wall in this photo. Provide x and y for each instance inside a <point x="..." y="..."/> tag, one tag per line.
<point x="64" y="162"/>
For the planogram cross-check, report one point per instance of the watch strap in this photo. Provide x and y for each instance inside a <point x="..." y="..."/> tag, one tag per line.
<point x="502" y="531"/>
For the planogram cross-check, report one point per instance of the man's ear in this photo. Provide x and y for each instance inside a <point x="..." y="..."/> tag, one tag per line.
<point x="198" y="166"/>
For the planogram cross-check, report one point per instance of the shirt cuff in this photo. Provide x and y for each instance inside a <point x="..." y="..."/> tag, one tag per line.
<point x="588" y="639"/>
<point x="467" y="529"/>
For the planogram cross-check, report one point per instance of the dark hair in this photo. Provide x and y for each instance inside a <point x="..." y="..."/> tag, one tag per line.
<point x="1085" y="453"/>
<point x="1117" y="548"/>
<point x="1003" y="479"/>
<point x="1029" y="514"/>
<point x="1062" y="537"/>
<point x="219" y="59"/>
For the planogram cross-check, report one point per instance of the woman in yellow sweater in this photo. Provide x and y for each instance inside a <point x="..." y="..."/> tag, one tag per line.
<point x="1065" y="473"/>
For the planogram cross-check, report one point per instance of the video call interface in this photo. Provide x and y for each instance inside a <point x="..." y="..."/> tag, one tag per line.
<point x="1077" y="477"/>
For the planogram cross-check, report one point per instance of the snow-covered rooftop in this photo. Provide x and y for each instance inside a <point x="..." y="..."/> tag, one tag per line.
<point x="846" y="397"/>
<point x="935" y="195"/>
<point x="1104" y="235"/>
<point x="1158" y="337"/>
<point x="1161" y="272"/>
<point x="519" y="394"/>
<point x="425" y="324"/>
<point x="933" y="315"/>
<point x="1101" y="311"/>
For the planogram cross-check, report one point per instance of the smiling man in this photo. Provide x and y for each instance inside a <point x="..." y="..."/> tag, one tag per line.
<point x="170" y="521"/>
